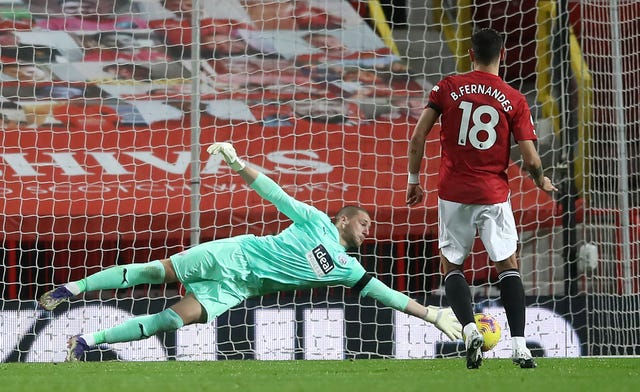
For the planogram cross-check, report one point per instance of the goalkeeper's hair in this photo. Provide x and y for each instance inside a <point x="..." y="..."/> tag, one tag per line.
<point x="487" y="44"/>
<point x="349" y="212"/>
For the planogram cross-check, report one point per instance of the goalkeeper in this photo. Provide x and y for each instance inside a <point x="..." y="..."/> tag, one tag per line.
<point x="220" y="274"/>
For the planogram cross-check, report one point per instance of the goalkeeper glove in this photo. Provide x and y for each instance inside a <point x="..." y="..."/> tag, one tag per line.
<point x="228" y="153"/>
<point x="445" y="320"/>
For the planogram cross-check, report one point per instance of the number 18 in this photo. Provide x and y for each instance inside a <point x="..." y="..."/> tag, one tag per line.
<point x="478" y="125"/>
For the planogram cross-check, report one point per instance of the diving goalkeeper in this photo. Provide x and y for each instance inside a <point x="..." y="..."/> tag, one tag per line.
<point x="219" y="274"/>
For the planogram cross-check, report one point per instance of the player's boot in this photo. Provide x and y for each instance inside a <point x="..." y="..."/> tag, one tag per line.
<point x="76" y="346"/>
<point x="523" y="358"/>
<point x="51" y="299"/>
<point x="473" y="344"/>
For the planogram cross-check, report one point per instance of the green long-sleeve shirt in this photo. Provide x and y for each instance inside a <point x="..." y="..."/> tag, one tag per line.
<point x="308" y="253"/>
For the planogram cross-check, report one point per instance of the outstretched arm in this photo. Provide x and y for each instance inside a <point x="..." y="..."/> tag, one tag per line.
<point x="249" y="174"/>
<point x="265" y="186"/>
<point x="230" y="156"/>
<point x="442" y="318"/>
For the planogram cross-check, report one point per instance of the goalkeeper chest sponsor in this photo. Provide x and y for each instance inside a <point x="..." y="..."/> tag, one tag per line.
<point x="320" y="260"/>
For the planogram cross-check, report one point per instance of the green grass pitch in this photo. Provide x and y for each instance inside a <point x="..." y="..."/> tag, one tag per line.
<point x="389" y="375"/>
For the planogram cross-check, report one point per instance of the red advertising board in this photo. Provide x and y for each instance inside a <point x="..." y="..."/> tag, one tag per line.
<point x="135" y="183"/>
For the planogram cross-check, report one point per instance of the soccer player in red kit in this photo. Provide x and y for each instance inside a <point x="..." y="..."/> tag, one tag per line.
<point x="479" y="113"/>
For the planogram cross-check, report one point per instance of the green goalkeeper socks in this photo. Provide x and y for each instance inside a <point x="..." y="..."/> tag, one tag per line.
<point x="124" y="276"/>
<point x="139" y="328"/>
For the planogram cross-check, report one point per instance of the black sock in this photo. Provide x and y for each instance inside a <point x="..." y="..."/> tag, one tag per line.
<point x="458" y="294"/>
<point x="512" y="295"/>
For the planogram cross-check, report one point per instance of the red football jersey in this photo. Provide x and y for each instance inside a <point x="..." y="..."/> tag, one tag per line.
<point x="479" y="113"/>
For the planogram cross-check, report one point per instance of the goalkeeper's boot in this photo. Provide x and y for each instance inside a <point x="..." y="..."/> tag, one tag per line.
<point x="473" y="344"/>
<point x="523" y="358"/>
<point x="76" y="347"/>
<point x="51" y="299"/>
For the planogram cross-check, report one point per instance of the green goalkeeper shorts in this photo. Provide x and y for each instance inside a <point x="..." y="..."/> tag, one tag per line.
<point x="217" y="274"/>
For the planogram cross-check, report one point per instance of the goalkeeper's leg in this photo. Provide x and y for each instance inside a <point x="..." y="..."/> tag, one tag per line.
<point x="187" y="311"/>
<point x="111" y="278"/>
<point x="136" y="328"/>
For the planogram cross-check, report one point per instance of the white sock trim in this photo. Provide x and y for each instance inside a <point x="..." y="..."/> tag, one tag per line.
<point x="73" y="288"/>
<point x="89" y="339"/>
<point x="518" y="342"/>
<point x="469" y="328"/>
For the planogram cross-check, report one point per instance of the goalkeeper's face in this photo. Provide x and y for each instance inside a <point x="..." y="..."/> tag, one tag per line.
<point x="355" y="229"/>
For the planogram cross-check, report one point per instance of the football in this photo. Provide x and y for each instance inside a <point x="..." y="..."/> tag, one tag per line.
<point x="490" y="330"/>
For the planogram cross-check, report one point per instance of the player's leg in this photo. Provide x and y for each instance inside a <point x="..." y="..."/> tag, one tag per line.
<point x="186" y="311"/>
<point x="513" y="300"/>
<point x="500" y="238"/>
<point x="210" y="292"/>
<point x="455" y="239"/>
<point x="459" y="297"/>
<point x="204" y="301"/>
<point x="458" y="292"/>
<point x="118" y="277"/>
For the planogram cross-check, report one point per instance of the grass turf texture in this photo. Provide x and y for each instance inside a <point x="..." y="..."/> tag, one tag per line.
<point x="583" y="374"/>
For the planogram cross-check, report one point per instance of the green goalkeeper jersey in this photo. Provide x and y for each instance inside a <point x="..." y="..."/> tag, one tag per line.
<point x="307" y="254"/>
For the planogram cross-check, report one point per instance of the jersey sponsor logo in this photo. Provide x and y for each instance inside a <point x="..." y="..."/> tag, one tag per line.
<point x="320" y="260"/>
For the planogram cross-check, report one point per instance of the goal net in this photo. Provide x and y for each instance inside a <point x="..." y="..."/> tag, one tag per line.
<point x="108" y="107"/>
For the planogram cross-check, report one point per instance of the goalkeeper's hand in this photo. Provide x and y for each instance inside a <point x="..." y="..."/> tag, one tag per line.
<point x="228" y="153"/>
<point x="445" y="320"/>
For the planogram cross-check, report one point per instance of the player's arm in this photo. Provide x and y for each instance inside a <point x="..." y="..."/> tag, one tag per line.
<point x="533" y="164"/>
<point x="442" y="318"/>
<point x="261" y="183"/>
<point x="427" y="119"/>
